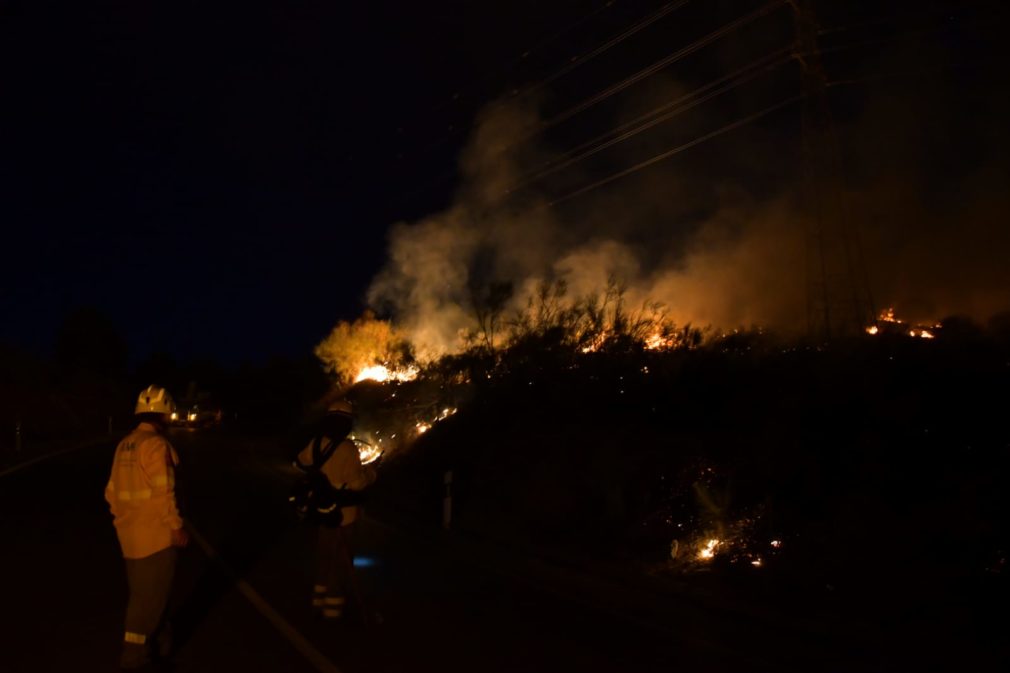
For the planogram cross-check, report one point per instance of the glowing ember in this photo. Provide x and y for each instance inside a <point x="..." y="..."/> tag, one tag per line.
<point x="707" y="552"/>
<point x="422" y="427"/>
<point x="367" y="452"/>
<point x="595" y="344"/>
<point x="381" y="373"/>
<point x="887" y="315"/>
<point x="887" y="321"/>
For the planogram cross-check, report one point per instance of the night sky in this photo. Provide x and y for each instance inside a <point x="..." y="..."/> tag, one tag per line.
<point x="220" y="179"/>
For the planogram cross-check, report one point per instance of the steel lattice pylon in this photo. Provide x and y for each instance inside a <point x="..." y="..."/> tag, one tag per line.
<point x="839" y="299"/>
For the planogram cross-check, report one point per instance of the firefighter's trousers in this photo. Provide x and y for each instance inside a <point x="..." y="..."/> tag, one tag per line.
<point x="335" y="571"/>
<point x="150" y="583"/>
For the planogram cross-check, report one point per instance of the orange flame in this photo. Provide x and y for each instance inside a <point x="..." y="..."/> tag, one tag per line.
<point x="381" y="373"/>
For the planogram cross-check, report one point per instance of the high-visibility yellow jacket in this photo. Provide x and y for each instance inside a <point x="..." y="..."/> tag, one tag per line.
<point x="141" y="492"/>
<point x="344" y="470"/>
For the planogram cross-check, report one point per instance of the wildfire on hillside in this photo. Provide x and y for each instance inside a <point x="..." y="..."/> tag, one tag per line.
<point x="410" y="406"/>
<point x="658" y="340"/>
<point x="888" y="323"/>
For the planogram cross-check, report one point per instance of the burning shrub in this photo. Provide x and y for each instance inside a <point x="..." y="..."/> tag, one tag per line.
<point x="367" y="345"/>
<point x="592" y="322"/>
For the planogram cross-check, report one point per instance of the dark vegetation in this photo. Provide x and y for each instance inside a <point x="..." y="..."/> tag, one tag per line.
<point x="71" y="394"/>
<point x="879" y="462"/>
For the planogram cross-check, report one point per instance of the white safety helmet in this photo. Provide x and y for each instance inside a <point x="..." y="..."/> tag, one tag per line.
<point x="154" y="400"/>
<point x="341" y="408"/>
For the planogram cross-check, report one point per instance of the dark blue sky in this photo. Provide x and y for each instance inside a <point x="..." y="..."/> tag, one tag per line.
<point x="220" y="179"/>
<point x="217" y="179"/>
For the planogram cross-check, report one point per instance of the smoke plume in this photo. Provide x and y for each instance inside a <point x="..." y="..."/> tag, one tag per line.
<point x="721" y="250"/>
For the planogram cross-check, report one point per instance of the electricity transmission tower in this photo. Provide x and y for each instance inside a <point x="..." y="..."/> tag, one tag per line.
<point x="839" y="300"/>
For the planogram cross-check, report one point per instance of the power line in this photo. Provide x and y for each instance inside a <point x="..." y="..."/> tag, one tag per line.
<point x="646" y="72"/>
<point x="642" y="74"/>
<point x="676" y="150"/>
<point x="663" y="11"/>
<point x="673" y="108"/>
<point x="643" y="122"/>
<point x="537" y="47"/>
<point x="658" y="65"/>
<point x="650" y="19"/>
<point x="659" y="115"/>
<point x="684" y="103"/>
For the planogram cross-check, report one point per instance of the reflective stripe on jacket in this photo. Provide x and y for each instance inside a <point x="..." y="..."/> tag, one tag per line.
<point x="141" y="492"/>
<point x="343" y="469"/>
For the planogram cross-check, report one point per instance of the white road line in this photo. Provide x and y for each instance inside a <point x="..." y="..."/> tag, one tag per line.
<point x="297" y="640"/>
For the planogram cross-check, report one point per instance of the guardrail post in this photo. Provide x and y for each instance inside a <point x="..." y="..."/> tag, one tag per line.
<point x="447" y="500"/>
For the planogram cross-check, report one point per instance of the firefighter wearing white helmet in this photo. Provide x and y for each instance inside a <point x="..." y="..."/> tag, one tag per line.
<point x="141" y="495"/>
<point x="337" y="457"/>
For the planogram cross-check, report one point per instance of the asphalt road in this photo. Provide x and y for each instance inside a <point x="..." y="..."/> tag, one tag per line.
<point x="443" y="608"/>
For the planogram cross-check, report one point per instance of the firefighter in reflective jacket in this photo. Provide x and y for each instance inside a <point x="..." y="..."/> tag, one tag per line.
<point x="141" y="495"/>
<point x="335" y="558"/>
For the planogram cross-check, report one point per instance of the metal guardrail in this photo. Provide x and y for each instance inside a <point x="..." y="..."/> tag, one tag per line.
<point x="23" y="450"/>
<point x="66" y="447"/>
